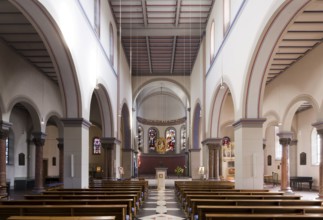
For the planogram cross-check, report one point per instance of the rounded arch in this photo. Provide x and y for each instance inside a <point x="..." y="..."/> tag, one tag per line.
<point x="32" y="109"/>
<point x="258" y="68"/>
<point x="272" y="119"/>
<point x="52" y="37"/>
<point x="54" y="118"/>
<point x="196" y="125"/>
<point x="125" y="126"/>
<point x="145" y="84"/>
<point x="219" y="97"/>
<point x="105" y="110"/>
<point x="292" y="107"/>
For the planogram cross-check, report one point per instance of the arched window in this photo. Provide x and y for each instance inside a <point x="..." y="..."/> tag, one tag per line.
<point x="7" y="151"/>
<point x="111" y="44"/>
<point x="170" y="139"/>
<point x="152" y="137"/>
<point x="183" y="137"/>
<point x="316" y="149"/>
<point x="212" y="41"/>
<point x="278" y="146"/>
<point x="140" y="137"/>
<point x="226" y="16"/>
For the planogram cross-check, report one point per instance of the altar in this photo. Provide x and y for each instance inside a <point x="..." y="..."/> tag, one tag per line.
<point x="170" y="161"/>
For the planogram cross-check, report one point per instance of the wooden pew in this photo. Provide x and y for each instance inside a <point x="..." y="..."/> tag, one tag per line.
<point x="61" y="218"/>
<point x="192" y="211"/>
<point x="203" y="209"/>
<point x="93" y="197"/>
<point x="263" y="216"/>
<point x="129" y="202"/>
<point x="187" y="203"/>
<point x="119" y="211"/>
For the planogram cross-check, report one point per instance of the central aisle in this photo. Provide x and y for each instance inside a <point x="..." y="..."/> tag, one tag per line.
<point x="161" y="205"/>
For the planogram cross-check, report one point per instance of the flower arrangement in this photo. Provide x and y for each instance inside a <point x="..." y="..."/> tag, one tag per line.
<point x="179" y="170"/>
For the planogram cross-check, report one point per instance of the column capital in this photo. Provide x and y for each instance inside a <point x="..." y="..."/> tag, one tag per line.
<point x="319" y="126"/>
<point x="39" y="138"/>
<point x="212" y="142"/>
<point x="293" y="142"/>
<point x="75" y="122"/>
<point x="5" y="125"/>
<point x="194" y="150"/>
<point x="60" y="140"/>
<point x="110" y="140"/>
<point x="249" y="122"/>
<point x="285" y="134"/>
<point x="4" y="129"/>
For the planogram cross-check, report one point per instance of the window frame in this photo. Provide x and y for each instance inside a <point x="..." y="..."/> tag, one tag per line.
<point x="315" y="148"/>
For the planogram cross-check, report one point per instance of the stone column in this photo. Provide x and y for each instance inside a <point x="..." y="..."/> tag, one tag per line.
<point x="284" y="140"/>
<point x="60" y="146"/>
<point x="39" y="141"/>
<point x="319" y="128"/>
<point x="214" y="145"/>
<point x="109" y="147"/>
<point x="4" y="132"/>
<point x="249" y="160"/>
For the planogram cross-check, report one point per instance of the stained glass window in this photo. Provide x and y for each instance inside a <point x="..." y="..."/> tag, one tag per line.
<point x="170" y="139"/>
<point x="152" y="137"/>
<point x="96" y="145"/>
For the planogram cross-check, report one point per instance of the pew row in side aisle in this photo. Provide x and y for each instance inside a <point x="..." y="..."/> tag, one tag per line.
<point x="287" y="210"/>
<point x="119" y="211"/>
<point x="61" y="218"/>
<point x="192" y="211"/>
<point x="263" y="216"/>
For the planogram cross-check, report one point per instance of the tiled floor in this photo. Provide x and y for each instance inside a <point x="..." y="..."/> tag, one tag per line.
<point x="161" y="205"/>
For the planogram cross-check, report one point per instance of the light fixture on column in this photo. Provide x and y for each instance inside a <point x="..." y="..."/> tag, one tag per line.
<point x="221" y="83"/>
<point x="97" y="84"/>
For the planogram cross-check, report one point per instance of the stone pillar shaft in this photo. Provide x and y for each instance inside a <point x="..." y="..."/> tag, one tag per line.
<point x="319" y="128"/>
<point x="3" y="173"/>
<point x="214" y="145"/>
<point x="4" y="132"/>
<point x="39" y="141"/>
<point x="284" y="140"/>
<point x="109" y="147"/>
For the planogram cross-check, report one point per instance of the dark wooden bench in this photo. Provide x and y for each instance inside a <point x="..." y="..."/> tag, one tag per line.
<point x="119" y="211"/>
<point x="263" y="216"/>
<point x="133" y="197"/>
<point x="187" y="203"/>
<point x="192" y="211"/>
<point x="131" y="211"/>
<point x="203" y="209"/>
<point x="61" y="218"/>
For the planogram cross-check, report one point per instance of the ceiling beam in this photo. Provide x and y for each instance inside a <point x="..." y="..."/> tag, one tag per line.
<point x="178" y="9"/>
<point x="173" y="55"/>
<point x="144" y="12"/>
<point x="162" y="32"/>
<point x="148" y="52"/>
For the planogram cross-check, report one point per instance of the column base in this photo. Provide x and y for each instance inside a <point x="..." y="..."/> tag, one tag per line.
<point x="3" y="192"/>
<point x="287" y="191"/>
<point x="215" y="179"/>
<point x="38" y="190"/>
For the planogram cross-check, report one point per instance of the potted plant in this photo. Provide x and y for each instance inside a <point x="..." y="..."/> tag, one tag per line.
<point x="179" y="171"/>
